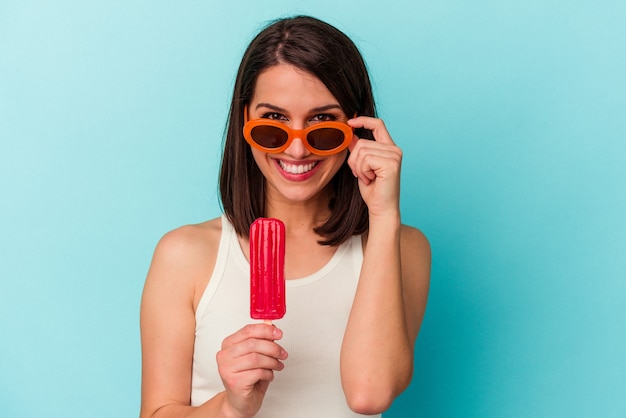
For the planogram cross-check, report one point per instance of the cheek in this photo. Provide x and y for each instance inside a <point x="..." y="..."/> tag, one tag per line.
<point x="338" y="160"/>
<point x="260" y="158"/>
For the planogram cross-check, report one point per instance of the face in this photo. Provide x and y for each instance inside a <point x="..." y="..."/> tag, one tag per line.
<point x="298" y="99"/>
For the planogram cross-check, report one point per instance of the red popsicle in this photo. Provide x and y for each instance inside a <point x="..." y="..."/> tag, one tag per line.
<point x="267" y="269"/>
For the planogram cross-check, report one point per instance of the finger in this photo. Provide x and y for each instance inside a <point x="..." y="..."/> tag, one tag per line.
<point x="258" y="361"/>
<point x="367" y="157"/>
<point x="246" y="379"/>
<point x="261" y="375"/>
<point x="377" y="126"/>
<point x="250" y="362"/>
<point x="365" y="147"/>
<point x="355" y="163"/>
<point x="229" y="361"/>
<point x="355" y="140"/>
<point x="254" y="345"/>
<point x="260" y="331"/>
<point x="365" y="171"/>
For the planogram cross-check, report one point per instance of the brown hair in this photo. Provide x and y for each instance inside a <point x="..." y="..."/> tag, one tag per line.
<point x="322" y="50"/>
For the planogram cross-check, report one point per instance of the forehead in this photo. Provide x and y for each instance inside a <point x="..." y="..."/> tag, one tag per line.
<point x="289" y="87"/>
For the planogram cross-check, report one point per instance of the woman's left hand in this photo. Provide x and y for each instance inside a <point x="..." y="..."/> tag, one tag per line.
<point x="376" y="164"/>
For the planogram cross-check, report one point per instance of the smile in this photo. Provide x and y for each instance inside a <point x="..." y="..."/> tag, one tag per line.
<point x="296" y="168"/>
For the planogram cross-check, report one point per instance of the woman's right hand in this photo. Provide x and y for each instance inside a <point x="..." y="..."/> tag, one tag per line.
<point x="246" y="364"/>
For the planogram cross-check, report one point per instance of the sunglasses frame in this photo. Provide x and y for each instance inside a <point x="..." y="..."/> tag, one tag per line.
<point x="292" y="134"/>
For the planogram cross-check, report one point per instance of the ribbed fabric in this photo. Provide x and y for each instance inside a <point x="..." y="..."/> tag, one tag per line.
<point x="317" y="311"/>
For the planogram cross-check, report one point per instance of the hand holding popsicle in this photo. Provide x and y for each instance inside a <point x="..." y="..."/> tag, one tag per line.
<point x="249" y="357"/>
<point x="246" y="365"/>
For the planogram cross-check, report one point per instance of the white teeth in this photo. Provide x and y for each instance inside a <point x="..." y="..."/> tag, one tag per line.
<point x="296" y="168"/>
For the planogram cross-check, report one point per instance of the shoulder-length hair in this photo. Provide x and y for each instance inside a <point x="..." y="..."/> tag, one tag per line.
<point x="319" y="49"/>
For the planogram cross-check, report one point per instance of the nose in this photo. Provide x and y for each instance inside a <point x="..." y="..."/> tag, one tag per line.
<point x="296" y="149"/>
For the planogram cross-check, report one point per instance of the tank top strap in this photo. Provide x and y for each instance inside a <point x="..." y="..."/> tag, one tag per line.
<point x="225" y="247"/>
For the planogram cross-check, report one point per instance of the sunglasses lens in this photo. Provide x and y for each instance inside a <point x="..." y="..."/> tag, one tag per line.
<point x="325" y="139"/>
<point x="269" y="136"/>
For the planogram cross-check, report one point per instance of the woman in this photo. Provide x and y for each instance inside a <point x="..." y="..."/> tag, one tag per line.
<point x="357" y="279"/>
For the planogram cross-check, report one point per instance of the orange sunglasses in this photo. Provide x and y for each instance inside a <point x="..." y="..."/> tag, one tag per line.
<point x="324" y="138"/>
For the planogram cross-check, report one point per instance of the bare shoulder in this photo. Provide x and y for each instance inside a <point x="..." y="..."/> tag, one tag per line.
<point x="181" y="267"/>
<point x="415" y="252"/>
<point x="415" y="258"/>
<point x="184" y="259"/>
<point x="190" y="240"/>
<point x="412" y="240"/>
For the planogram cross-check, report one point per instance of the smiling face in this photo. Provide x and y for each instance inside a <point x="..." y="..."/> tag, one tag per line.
<point x="298" y="99"/>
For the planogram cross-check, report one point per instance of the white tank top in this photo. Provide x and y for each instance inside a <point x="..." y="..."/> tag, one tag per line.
<point x="317" y="313"/>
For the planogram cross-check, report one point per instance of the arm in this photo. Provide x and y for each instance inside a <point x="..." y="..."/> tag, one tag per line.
<point x="177" y="278"/>
<point x="377" y="351"/>
<point x="167" y="326"/>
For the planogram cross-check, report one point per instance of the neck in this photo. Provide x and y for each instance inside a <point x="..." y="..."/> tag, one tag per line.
<point x="301" y="215"/>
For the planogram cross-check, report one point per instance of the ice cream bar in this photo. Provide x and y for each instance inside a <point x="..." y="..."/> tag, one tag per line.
<point x="267" y="269"/>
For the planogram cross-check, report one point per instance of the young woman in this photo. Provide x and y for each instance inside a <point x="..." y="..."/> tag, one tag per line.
<point x="357" y="279"/>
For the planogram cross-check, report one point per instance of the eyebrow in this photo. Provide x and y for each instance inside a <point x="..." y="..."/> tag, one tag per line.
<point x="316" y="109"/>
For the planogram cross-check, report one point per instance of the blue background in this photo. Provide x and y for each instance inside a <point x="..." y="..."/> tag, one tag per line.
<point x="511" y="115"/>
